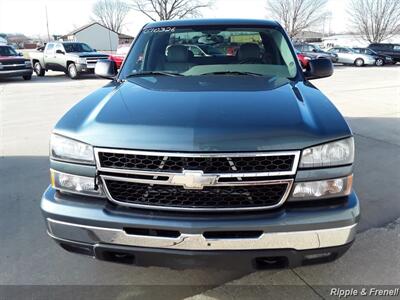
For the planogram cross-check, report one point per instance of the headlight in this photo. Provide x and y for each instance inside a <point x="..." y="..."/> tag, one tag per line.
<point x="327" y="155"/>
<point x="63" y="148"/>
<point x="82" y="60"/>
<point x="28" y="63"/>
<point x="75" y="184"/>
<point x="322" y="189"/>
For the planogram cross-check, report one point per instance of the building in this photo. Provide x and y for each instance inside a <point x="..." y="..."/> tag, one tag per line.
<point x="3" y="41"/>
<point x="98" y="37"/>
<point x="309" y="37"/>
<point x="125" y="39"/>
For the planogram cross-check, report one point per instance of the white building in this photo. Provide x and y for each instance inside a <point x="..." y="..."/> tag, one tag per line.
<point x="352" y="40"/>
<point x="96" y="36"/>
<point x="3" y="41"/>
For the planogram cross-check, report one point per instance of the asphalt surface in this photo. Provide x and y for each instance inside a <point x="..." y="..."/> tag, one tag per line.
<point x="369" y="98"/>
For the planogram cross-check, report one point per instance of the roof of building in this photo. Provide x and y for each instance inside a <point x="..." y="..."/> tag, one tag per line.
<point x="79" y="29"/>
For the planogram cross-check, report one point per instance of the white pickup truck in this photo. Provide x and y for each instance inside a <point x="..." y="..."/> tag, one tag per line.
<point x="72" y="58"/>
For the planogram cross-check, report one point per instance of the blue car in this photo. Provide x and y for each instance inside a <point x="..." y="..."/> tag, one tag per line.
<point x="219" y="160"/>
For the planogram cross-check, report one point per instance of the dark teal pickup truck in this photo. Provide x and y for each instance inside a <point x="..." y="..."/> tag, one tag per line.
<point x="233" y="160"/>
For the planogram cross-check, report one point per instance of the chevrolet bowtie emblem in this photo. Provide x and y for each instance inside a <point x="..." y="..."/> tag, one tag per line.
<point x="193" y="180"/>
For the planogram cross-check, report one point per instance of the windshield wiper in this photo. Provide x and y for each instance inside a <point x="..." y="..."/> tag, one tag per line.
<point x="152" y="73"/>
<point x="234" y="73"/>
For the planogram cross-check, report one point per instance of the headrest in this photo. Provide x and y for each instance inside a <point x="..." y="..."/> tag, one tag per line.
<point x="249" y="50"/>
<point x="178" y="53"/>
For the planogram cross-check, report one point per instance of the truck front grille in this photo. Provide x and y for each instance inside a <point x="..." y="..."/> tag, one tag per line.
<point x="276" y="163"/>
<point x="228" y="197"/>
<point x="197" y="181"/>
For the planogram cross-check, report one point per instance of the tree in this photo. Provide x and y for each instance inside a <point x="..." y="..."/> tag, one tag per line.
<point x="110" y="13"/>
<point x="375" y="20"/>
<point x="297" y="15"/>
<point x="170" y="9"/>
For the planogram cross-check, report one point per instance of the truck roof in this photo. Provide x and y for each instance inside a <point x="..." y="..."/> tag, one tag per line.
<point x="200" y="22"/>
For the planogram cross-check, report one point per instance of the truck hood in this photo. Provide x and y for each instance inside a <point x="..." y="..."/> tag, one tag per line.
<point x="12" y="59"/>
<point x="205" y="113"/>
<point x="88" y="54"/>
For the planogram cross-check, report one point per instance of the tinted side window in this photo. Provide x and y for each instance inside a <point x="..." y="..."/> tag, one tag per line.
<point x="396" y="48"/>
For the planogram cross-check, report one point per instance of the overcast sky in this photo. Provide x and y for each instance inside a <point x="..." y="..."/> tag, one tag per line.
<point x="28" y="16"/>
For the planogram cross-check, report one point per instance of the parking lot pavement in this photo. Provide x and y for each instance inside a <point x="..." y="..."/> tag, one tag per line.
<point x="368" y="97"/>
<point x="373" y="260"/>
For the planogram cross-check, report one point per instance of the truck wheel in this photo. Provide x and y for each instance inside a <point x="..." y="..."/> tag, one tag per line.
<point x="379" y="62"/>
<point x="38" y="69"/>
<point x="27" y="77"/>
<point x="72" y="71"/>
<point x="359" y="62"/>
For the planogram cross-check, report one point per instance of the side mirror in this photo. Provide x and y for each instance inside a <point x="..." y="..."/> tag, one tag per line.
<point x="319" y="68"/>
<point x="20" y="54"/>
<point x="106" y="68"/>
<point x="60" y="52"/>
<point x="94" y="50"/>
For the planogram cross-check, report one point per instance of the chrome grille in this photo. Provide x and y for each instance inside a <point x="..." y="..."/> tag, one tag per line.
<point x="231" y="197"/>
<point x="197" y="181"/>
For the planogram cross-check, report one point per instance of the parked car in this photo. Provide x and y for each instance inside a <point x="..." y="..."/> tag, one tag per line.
<point x="73" y="58"/>
<point x="303" y="59"/>
<point x="12" y="64"/>
<point x="348" y="56"/>
<point x="380" y="60"/>
<point x="314" y="52"/>
<point x="217" y="161"/>
<point x="392" y="50"/>
<point x="119" y="57"/>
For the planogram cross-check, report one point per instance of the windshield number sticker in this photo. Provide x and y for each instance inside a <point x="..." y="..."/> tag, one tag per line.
<point x="160" y="29"/>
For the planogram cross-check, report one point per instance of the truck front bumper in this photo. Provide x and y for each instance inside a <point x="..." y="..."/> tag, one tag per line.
<point x="15" y="73"/>
<point x="290" y="237"/>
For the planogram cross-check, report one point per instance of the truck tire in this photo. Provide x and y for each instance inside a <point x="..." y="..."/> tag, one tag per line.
<point x="359" y="62"/>
<point x="27" y="77"/>
<point x="72" y="71"/>
<point x="37" y="67"/>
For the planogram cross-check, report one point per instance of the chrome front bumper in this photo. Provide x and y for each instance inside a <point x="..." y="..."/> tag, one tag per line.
<point x="298" y="240"/>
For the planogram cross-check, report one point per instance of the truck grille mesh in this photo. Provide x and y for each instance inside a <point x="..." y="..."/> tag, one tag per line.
<point x="210" y="165"/>
<point x="208" y="198"/>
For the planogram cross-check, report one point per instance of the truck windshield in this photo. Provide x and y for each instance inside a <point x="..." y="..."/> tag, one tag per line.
<point x="77" y="47"/>
<point x="7" y="51"/>
<point x="230" y="51"/>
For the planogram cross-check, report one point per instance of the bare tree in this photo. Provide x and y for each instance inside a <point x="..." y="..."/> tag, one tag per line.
<point x="111" y="13"/>
<point x="376" y="20"/>
<point x="297" y="15"/>
<point x="170" y="9"/>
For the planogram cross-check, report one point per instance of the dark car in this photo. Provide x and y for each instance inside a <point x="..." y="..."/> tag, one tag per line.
<point x="392" y="50"/>
<point x="314" y="52"/>
<point x="13" y="64"/>
<point x="380" y="60"/>
<point x="219" y="161"/>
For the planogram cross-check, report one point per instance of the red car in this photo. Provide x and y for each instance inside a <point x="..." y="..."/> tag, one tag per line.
<point x="119" y="57"/>
<point x="303" y="59"/>
<point x="13" y="64"/>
